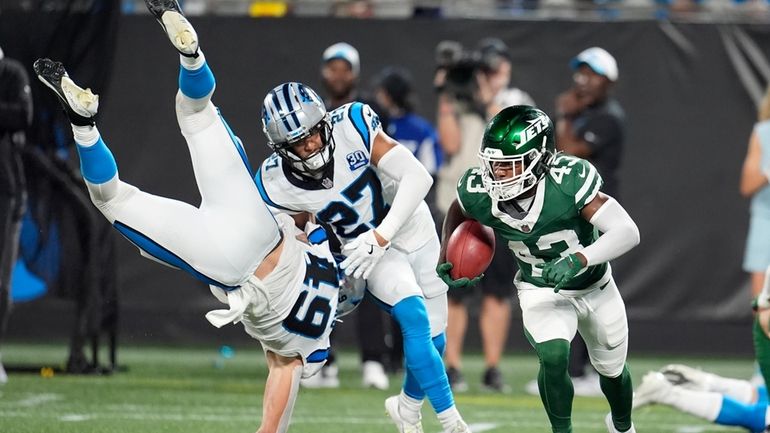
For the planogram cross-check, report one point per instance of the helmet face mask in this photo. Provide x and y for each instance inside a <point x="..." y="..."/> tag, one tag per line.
<point x="292" y="113"/>
<point x="518" y="140"/>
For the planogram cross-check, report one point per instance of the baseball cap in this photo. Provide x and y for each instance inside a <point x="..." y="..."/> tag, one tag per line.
<point x="344" y="51"/>
<point x="493" y="46"/>
<point x="599" y="60"/>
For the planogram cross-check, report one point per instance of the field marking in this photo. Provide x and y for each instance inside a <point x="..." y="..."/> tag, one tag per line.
<point x="482" y="426"/>
<point x="36" y="400"/>
<point x="331" y="420"/>
<point x="73" y="417"/>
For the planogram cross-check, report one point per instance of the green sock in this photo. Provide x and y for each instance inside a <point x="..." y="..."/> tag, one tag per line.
<point x="762" y="350"/>
<point x="555" y="385"/>
<point x="620" y="393"/>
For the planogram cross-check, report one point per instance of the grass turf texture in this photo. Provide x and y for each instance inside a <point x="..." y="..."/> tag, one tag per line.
<point x="170" y="390"/>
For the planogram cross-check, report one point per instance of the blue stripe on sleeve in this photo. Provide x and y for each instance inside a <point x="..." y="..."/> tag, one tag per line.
<point x="263" y="191"/>
<point x="356" y="115"/>
<point x="159" y="252"/>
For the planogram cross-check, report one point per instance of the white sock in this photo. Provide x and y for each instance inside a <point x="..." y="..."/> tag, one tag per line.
<point x="85" y="136"/>
<point x="702" y="404"/>
<point x="740" y="390"/>
<point x="409" y="408"/>
<point x="449" y="418"/>
<point x="192" y="63"/>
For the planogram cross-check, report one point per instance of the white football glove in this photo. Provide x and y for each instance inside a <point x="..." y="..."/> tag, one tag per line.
<point x="362" y="253"/>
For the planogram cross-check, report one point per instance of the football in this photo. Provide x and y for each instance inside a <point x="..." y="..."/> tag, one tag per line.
<point x="470" y="249"/>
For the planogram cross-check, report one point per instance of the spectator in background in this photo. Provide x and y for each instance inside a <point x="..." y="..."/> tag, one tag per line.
<point x="394" y="93"/>
<point x="15" y="117"/>
<point x="754" y="184"/>
<point x="590" y="125"/>
<point x="461" y="123"/>
<point x="340" y="70"/>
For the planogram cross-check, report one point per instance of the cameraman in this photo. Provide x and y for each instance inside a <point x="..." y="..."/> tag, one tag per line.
<point x="473" y="87"/>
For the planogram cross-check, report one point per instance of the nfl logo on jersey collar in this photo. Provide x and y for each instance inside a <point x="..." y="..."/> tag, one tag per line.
<point x="356" y="160"/>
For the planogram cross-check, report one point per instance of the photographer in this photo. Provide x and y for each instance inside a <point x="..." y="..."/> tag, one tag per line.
<point x="472" y="87"/>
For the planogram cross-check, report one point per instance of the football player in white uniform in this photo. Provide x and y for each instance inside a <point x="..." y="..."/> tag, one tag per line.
<point x="341" y="167"/>
<point x="282" y="287"/>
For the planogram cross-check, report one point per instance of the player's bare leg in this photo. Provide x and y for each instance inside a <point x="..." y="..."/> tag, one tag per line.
<point x="280" y="392"/>
<point x="494" y="321"/>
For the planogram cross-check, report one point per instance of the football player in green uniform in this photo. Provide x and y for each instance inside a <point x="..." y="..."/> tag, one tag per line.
<point x="549" y="208"/>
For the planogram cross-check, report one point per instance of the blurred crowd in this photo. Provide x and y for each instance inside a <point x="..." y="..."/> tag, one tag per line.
<point x="543" y="9"/>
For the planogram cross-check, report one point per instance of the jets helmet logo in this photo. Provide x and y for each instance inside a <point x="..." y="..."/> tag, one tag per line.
<point x="536" y="126"/>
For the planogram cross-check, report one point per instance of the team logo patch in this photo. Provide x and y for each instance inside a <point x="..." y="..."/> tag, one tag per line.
<point x="356" y="160"/>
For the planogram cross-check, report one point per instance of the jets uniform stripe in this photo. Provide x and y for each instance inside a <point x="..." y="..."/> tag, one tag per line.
<point x="160" y="253"/>
<point x="590" y="180"/>
<point x="237" y="143"/>
<point x="277" y="100"/>
<point x="290" y="106"/>
<point x="356" y="114"/>
<point x="263" y="191"/>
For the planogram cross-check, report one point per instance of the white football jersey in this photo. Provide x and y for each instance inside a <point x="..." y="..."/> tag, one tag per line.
<point x="355" y="197"/>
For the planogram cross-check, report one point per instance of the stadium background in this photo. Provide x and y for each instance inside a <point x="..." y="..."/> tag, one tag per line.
<point x="689" y="90"/>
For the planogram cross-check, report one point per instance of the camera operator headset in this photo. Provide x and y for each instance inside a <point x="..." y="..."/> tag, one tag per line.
<point x="472" y="87"/>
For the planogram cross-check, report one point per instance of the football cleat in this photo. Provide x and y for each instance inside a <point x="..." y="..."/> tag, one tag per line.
<point x="611" y="427"/>
<point x="179" y="31"/>
<point x="652" y="390"/>
<point x="79" y="104"/>
<point x="587" y="385"/>
<point x="404" y="426"/>
<point x="686" y="377"/>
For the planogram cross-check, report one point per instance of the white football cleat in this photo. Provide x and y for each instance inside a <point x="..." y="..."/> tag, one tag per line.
<point x="686" y="377"/>
<point x="611" y="427"/>
<point x="179" y="31"/>
<point x="374" y="376"/>
<point x="404" y="426"/>
<point x="653" y="388"/>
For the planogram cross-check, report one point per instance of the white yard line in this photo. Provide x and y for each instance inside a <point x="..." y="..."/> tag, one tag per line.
<point x="36" y="400"/>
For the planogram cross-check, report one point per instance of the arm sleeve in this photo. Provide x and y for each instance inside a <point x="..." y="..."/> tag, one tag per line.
<point x="763" y="300"/>
<point x="414" y="182"/>
<point x="620" y="234"/>
<point x="16" y="112"/>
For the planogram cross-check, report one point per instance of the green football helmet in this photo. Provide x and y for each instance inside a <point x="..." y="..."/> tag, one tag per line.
<point x="521" y="138"/>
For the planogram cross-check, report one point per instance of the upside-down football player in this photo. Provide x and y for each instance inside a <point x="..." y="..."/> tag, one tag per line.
<point x="721" y="400"/>
<point x="265" y="269"/>
<point x="549" y="208"/>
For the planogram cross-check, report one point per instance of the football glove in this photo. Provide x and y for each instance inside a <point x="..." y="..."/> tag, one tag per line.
<point x="559" y="272"/>
<point x="461" y="283"/>
<point x="362" y="253"/>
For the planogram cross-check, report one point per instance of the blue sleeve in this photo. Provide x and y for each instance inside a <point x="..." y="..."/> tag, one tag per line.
<point x="763" y="133"/>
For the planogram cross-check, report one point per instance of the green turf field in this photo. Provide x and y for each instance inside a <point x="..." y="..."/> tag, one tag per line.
<point x="170" y="390"/>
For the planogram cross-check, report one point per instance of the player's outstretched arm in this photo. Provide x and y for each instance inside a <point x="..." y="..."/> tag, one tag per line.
<point x="414" y="182"/>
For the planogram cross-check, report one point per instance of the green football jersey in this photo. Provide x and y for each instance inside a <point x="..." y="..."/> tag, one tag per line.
<point x="553" y="226"/>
